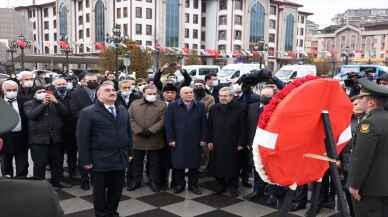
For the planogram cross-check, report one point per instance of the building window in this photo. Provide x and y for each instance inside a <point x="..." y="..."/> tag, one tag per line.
<point x="257" y="23"/>
<point x="80" y="34"/>
<point x="46" y="50"/>
<point x="272" y="24"/>
<point x="237" y="35"/>
<point x="195" y="46"/>
<point x="80" y="20"/>
<point x="195" y="19"/>
<point x="54" y="24"/>
<point x="55" y="49"/>
<point x="187" y="3"/>
<point x="100" y="21"/>
<point x="87" y="4"/>
<point x="203" y="7"/>
<point x="238" y="5"/>
<point x="139" y="42"/>
<point x="80" y="5"/>
<point x="81" y="48"/>
<point x="149" y="1"/>
<point x="125" y="12"/>
<point x="238" y="20"/>
<point x="203" y="36"/>
<point x="149" y="13"/>
<point x="34" y="25"/>
<point x="54" y="11"/>
<point x="87" y="33"/>
<point x="33" y="13"/>
<point x="271" y="51"/>
<point x="149" y="29"/>
<point x="187" y="18"/>
<point x="87" y="18"/>
<point x="223" y="20"/>
<point x="203" y="21"/>
<point x="271" y="38"/>
<point x="46" y="37"/>
<point x="301" y="31"/>
<point x="222" y="47"/>
<point x="223" y="4"/>
<point x="63" y="20"/>
<point x="289" y="33"/>
<point x="87" y="49"/>
<point x="34" y="37"/>
<point x="138" y="12"/>
<point x="148" y="43"/>
<point x="118" y="13"/>
<point x="186" y="45"/>
<point x="172" y="23"/>
<point x="236" y="47"/>
<point x="125" y="29"/>
<point x="302" y="19"/>
<point x="46" y="25"/>
<point x="55" y="36"/>
<point x="222" y="35"/>
<point x="187" y="33"/>
<point x="272" y="10"/>
<point x="195" y="4"/>
<point x="45" y="12"/>
<point x="29" y="13"/>
<point x="195" y="34"/>
<point x="301" y="43"/>
<point x="139" y="29"/>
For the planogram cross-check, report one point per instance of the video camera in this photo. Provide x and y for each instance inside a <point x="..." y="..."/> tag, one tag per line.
<point x="254" y="77"/>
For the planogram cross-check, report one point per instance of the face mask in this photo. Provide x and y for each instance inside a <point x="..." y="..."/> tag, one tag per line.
<point x="125" y="93"/>
<point x="40" y="96"/>
<point x="150" y="98"/>
<point x="11" y="94"/>
<point x="28" y="83"/>
<point x="61" y="90"/>
<point x="199" y="92"/>
<point x="92" y="85"/>
<point x="215" y="83"/>
<point x="265" y="99"/>
<point x="69" y="86"/>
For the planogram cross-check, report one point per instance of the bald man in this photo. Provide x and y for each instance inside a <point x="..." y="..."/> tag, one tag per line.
<point x="185" y="124"/>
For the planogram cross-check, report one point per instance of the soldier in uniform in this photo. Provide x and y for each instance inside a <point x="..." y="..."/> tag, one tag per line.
<point x="369" y="177"/>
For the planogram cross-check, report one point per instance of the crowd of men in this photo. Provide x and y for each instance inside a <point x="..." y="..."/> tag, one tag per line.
<point x="111" y="128"/>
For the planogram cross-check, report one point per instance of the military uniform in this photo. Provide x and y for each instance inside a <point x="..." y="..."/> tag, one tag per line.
<point x="369" y="172"/>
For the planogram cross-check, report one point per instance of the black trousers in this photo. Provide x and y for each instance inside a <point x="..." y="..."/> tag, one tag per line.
<point x="21" y="161"/>
<point x="259" y="185"/>
<point x="230" y="182"/>
<point x="47" y="154"/>
<point x="71" y="151"/>
<point x="180" y="177"/>
<point x="153" y="158"/>
<point x="107" y="188"/>
<point x="371" y="207"/>
<point x="246" y="164"/>
<point x="165" y="167"/>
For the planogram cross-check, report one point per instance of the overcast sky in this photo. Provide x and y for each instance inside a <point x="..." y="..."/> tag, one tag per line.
<point x="323" y="10"/>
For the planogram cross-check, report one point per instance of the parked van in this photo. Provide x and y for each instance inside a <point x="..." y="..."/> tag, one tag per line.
<point x="376" y="70"/>
<point x="200" y="71"/>
<point x="232" y="72"/>
<point x="289" y="72"/>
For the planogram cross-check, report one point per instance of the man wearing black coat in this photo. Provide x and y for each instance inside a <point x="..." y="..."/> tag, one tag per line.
<point x="81" y="98"/>
<point x="104" y="140"/>
<point x="172" y="79"/>
<point x="15" y="141"/>
<point x="127" y="93"/>
<point x="45" y="129"/>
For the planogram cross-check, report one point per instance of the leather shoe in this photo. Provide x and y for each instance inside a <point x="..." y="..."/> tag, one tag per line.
<point x="178" y="189"/>
<point x="133" y="186"/>
<point x="85" y="186"/>
<point x="195" y="190"/>
<point x="61" y="185"/>
<point x="154" y="187"/>
<point x="246" y="184"/>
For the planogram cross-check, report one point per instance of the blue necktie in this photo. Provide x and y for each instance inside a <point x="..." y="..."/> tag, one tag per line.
<point x="113" y="111"/>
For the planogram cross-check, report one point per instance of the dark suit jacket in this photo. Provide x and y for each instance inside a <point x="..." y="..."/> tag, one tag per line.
<point x="69" y="121"/>
<point x="254" y="111"/>
<point x="79" y="100"/>
<point x="132" y="97"/>
<point x="103" y="140"/>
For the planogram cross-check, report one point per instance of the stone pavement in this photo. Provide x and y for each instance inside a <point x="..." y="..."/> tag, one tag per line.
<point x="144" y="203"/>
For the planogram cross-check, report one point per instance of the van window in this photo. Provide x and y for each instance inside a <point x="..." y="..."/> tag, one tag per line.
<point x="192" y="72"/>
<point x="236" y="74"/>
<point x="370" y="69"/>
<point x="205" y="71"/>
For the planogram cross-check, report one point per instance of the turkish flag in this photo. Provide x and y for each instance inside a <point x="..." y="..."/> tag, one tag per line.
<point x="185" y="51"/>
<point x="63" y="45"/>
<point x="100" y="45"/>
<point x="21" y="43"/>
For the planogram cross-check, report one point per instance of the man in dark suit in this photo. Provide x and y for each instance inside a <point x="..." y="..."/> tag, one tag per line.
<point x="212" y="86"/>
<point x="127" y="92"/>
<point x="82" y="97"/>
<point x="15" y="141"/>
<point x="369" y="177"/>
<point x="104" y="140"/>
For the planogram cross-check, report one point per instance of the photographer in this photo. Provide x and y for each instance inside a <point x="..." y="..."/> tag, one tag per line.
<point x="171" y="67"/>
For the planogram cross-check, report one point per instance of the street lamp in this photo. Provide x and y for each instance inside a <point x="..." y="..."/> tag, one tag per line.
<point x="115" y="41"/>
<point x="22" y="43"/>
<point x="64" y="45"/>
<point x="127" y="62"/>
<point x="12" y="50"/>
<point x="157" y="52"/>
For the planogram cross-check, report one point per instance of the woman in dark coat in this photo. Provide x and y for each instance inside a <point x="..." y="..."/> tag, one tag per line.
<point x="226" y="139"/>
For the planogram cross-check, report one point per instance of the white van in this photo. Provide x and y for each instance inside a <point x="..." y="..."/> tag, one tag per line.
<point x="289" y="72"/>
<point x="200" y="71"/>
<point x="232" y="72"/>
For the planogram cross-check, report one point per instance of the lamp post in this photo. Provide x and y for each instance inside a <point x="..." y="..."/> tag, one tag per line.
<point x="157" y="59"/>
<point x="65" y="48"/>
<point x="115" y="41"/>
<point x="127" y="62"/>
<point x="22" y="43"/>
<point x="12" y="50"/>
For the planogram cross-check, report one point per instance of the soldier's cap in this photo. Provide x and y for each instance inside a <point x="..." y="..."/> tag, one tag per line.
<point x="369" y="88"/>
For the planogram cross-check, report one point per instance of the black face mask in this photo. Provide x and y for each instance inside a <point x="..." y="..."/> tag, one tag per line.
<point x="92" y="85"/>
<point x="265" y="99"/>
<point x="61" y="90"/>
<point x="199" y="92"/>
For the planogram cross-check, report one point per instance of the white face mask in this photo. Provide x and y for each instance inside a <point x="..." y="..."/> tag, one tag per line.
<point x="40" y="96"/>
<point x="28" y="83"/>
<point x="69" y="86"/>
<point x="11" y="94"/>
<point x="215" y="83"/>
<point x="125" y="93"/>
<point x="150" y="98"/>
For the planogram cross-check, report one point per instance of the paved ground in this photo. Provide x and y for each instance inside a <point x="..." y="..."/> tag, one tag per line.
<point x="144" y="203"/>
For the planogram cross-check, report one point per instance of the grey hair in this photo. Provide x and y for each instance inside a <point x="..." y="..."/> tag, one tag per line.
<point x="227" y="89"/>
<point x="123" y="81"/>
<point x="25" y="73"/>
<point x="9" y="82"/>
<point x="57" y="79"/>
